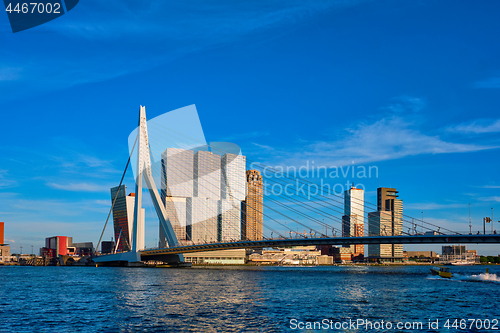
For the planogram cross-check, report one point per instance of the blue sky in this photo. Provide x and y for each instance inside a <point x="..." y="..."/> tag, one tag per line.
<point x="410" y="87"/>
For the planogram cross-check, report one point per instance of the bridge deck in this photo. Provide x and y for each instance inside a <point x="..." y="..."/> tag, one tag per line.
<point x="421" y="239"/>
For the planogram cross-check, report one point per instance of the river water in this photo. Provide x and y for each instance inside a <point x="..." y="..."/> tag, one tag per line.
<point x="247" y="299"/>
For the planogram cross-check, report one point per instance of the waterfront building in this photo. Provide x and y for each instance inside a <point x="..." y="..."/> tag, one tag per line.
<point x="386" y="221"/>
<point x="229" y="220"/>
<point x="4" y="248"/>
<point x="2" y="225"/>
<point x="420" y="254"/>
<point x="353" y="219"/>
<point x="233" y="191"/>
<point x="107" y="247"/>
<point x="252" y="219"/>
<point x="295" y="255"/>
<point x="202" y="220"/>
<point x="222" y="257"/>
<point x="177" y="184"/>
<point x="177" y="173"/>
<point x="177" y="215"/>
<point x="123" y="218"/>
<point x="233" y="180"/>
<point x="55" y="246"/>
<point x="207" y="175"/>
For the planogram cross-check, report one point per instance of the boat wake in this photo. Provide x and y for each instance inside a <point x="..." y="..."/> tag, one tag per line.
<point x="484" y="277"/>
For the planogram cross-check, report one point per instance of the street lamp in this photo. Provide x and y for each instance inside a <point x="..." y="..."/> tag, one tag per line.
<point x="422" y="223"/>
<point x="492" y="220"/>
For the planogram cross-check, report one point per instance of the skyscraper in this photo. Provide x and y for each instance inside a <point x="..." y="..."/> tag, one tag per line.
<point x="387" y="221"/>
<point x="177" y="184"/>
<point x="203" y="208"/>
<point x="202" y="220"/>
<point x="207" y="175"/>
<point x="353" y="219"/>
<point x="252" y="207"/>
<point x="202" y="193"/>
<point x="123" y="218"/>
<point x="233" y="190"/>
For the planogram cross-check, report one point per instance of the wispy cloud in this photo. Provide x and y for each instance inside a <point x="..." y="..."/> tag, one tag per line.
<point x="479" y="126"/>
<point x="386" y="139"/>
<point x="494" y="198"/>
<point x="488" y="186"/>
<point x="393" y="135"/>
<point x="433" y="206"/>
<point x="80" y="187"/>
<point x="5" y="181"/>
<point x="405" y="104"/>
<point x="491" y="83"/>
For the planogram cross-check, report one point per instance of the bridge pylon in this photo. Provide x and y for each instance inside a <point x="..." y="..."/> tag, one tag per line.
<point x="144" y="172"/>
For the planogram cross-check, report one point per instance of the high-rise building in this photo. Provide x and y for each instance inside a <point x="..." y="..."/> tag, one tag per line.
<point x="233" y="191"/>
<point x="177" y="173"/>
<point x="176" y="185"/>
<point x="176" y="212"/>
<point x="202" y="193"/>
<point x="229" y="220"/>
<point x="387" y="221"/>
<point x="252" y="207"/>
<point x="353" y="219"/>
<point x="202" y="218"/>
<point x="233" y="180"/>
<point x="207" y="175"/>
<point x="4" y="248"/>
<point x="123" y="219"/>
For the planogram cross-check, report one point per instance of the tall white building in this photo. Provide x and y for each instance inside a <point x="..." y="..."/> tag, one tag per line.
<point x="202" y="218"/>
<point x="353" y="219"/>
<point x="177" y="172"/>
<point x="202" y="193"/>
<point x="233" y="177"/>
<point x="233" y="192"/>
<point x="207" y="175"/>
<point x="229" y="220"/>
<point x="177" y="184"/>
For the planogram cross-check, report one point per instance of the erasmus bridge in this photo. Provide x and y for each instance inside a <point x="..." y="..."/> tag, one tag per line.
<point x="280" y="217"/>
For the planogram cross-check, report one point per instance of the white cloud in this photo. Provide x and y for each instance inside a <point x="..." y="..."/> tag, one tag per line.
<point x="478" y="126"/>
<point x="494" y="198"/>
<point x="433" y="206"/>
<point x="5" y="181"/>
<point x="386" y="139"/>
<point x="80" y="187"/>
<point x="405" y="104"/>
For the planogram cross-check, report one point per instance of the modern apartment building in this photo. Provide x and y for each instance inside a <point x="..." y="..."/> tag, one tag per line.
<point x="353" y="223"/>
<point x="123" y="219"/>
<point x="386" y="221"/>
<point x="202" y="220"/>
<point x="252" y="207"/>
<point x="177" y="184"/>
